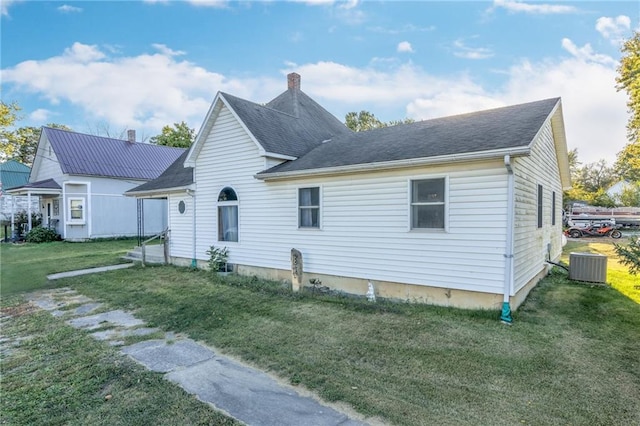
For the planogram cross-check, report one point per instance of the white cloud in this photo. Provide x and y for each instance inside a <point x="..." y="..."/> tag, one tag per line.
<point x="209" y="3"/>
<point x="40" y="115"/>
<point x="535" y="8"/>
<point x="405" y="47"/>
<point x="409" y="28"/>
<point x="586" y="53"/>
<point x="466" y="52"/>
<point x="65" y="8"/>
<point x="164" y="50"/>
<point x="146" y="91"/>
<point x="4" y="6"/>
<point x="614" y="29"/>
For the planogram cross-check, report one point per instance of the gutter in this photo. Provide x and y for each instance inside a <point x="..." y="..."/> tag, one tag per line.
<point x="505" y="316"/>
<point x="395" y="164"/>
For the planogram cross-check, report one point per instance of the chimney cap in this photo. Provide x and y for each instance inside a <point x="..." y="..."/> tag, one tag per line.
<point x="293" y="81"/>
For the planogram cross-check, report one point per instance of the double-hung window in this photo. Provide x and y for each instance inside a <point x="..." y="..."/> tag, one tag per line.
<point x="309" y="207"/>
<point x="428" y="202"/>
<point x="77" y="210"/>
<point x="227" y="215"/>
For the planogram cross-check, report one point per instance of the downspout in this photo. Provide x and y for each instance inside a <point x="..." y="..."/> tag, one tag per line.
<point x="29" y="210"/>
<point x="192" y="193"/>
<point x="505" y="316"/>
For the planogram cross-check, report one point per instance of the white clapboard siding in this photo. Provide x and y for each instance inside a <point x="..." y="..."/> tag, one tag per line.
<point x="364" y="219"/>
<point x="531" y="242"/>
<point x="180" y="224"/>
<point x="46" y="165"/>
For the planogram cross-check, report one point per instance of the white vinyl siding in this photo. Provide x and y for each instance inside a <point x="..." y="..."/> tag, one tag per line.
<point x="364" y="218"/>
<point x="530" y="242"/>
<point x="180" y="225"/>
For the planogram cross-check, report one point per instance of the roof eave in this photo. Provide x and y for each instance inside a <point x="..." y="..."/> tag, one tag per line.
<point x="153" y="193"/>
<point x="397" y="164"/>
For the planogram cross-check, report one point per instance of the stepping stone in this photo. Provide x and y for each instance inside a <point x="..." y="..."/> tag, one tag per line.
<point x="253" y="397"/>
<point x="114" y="333"/>
<point x="118" y="318"/>
<point x="160" y="356"/>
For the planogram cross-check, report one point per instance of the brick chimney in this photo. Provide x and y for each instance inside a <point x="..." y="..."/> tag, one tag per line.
<point x="131" y="136"/>
<point x="293" y="81"/>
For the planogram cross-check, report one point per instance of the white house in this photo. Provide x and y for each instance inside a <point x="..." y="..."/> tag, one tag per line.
<point x="81" y="179"/>
<point x="457" y="211"/>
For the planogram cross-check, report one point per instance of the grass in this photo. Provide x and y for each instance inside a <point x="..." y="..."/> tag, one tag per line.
<point x="60" y="376"/>
<point x="570" y="358"/>
<point x="25" y="267"/>
<point x="617" y="273"/>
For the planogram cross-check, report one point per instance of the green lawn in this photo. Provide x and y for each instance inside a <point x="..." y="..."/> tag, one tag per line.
<point x="571" y="356"/>
<point x="25" y="267"/>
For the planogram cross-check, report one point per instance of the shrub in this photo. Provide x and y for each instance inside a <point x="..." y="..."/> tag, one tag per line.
<point x="630" y="255"/>
<point x="217" y="258"/>
<point x="42" y="235"/>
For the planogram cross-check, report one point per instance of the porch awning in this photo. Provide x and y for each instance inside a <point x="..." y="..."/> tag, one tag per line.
<point x="42" y="187"/>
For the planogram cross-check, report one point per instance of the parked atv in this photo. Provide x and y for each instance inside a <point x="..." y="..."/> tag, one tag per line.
<point x="596" y="230"/>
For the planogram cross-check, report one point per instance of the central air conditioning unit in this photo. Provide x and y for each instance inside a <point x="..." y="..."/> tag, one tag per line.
<point x="588" y="267"/>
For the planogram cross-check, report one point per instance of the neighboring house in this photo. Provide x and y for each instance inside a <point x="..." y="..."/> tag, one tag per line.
<point x="13" y="174"/>
<point x="458" y="211"/>
<point x="81" y="180"/>
<point x="616" y="190"/>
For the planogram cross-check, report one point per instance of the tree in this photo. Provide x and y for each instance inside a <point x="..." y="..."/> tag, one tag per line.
<point x="180" y="136"/>
<point x="8" y="115"/>
<point x="627" y="164"/>
<point x="629" y="80"/>
<point x="21" y="144"/>
<point x="365" y="120"/>
<point x="630" y="255"/>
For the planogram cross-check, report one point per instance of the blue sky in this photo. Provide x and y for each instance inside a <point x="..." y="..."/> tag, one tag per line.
<point x="143" y="64"/>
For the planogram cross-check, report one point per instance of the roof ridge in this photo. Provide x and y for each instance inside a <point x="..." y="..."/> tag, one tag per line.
<point x="224" y="94"/>
<point x="109" y="138"/>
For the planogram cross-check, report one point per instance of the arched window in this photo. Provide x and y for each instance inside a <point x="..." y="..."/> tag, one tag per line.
<point x="227" y="215"/>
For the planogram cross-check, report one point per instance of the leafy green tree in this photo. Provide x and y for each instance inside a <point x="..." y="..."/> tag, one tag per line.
<point x="629" y="80"/>
<point x="365" y="120"/>
<point x="627" y="164"/>
<point x="179" y="136"/>
<point x="630" y="255"/>
<point x="8" y="114"/>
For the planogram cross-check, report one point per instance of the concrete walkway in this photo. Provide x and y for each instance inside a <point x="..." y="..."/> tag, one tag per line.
<point x="242" y="392"/>
<point x="88" y="271"/>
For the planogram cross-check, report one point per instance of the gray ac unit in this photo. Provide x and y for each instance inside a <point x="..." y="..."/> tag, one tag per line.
<point x="588" y="267"/>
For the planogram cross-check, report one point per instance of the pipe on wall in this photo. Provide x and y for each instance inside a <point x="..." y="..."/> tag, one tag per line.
<point x="505" y="316"/>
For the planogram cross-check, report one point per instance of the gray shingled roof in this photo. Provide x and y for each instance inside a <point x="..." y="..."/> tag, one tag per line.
<point x="496" y="129"/>
<point x="291" y="124"/>
<point x="88" y="155"/>
<point x="176" y="176"/>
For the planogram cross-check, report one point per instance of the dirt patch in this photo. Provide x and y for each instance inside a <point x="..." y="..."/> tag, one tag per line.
<point x="18" y="310"/>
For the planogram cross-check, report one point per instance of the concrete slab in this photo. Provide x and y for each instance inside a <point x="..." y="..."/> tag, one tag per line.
<point x="161" y="356"/>
<point x="86" y="308"/>
<point x="88" y="271"/>
<point x="118" y="318"/>
<point x="118" y="334"/>
<point x="253" y="397"/>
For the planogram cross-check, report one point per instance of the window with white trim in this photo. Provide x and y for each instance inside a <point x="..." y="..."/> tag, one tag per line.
<point x="77" y="210"/>
<point x="227" y="215"/>
<point x="309" y="207"/>
<point x="428" y="202"/>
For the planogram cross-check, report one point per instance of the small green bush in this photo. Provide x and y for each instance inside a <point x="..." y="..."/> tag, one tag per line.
<point x="42" y="235"/>
<point x="217" y="258"/>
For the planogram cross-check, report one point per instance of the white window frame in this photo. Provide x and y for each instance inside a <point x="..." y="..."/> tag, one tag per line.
<point x="299" y="208"/>
<point x="232" y="203"/>
<point x="83" y="209"/>
<point x="444" y="203"/>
